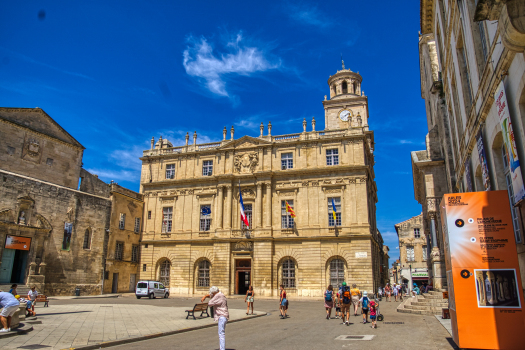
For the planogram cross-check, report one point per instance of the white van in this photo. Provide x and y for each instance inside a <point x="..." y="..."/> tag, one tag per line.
<point x="151" y="289"/>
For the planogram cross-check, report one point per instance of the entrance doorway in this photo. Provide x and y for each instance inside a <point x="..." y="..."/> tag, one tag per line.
<point x="243" y="276"/>
<point x="13" y="268"/>
<point x="114" y="287"/>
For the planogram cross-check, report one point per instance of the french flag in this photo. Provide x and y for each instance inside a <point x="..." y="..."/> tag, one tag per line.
<point x="243" y="216"/>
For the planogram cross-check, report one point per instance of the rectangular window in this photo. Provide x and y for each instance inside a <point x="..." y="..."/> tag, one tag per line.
<point x="207" y="168"/>
<point x="332" y="157"/>
<point x="248" y="213"/>
<point x="286" y="161"/>
<point x="424" y="253"/>
<point x="287" y="221"/>
<point x="135" y="253"/>
<point x="337" y="221"/>
<point x="122" y="221"/>
<point x="410" y="253"/>
<point x="49" y="161"/>
<point x="170" y="171"/>
<point x="137" y="225"/>
<point x="205" y="217"/>
<point x="149" y="214"/>
<point x="167" y="214"/>
<point x="416" y="233"/>
<point x="144" y="267"/>
<point x="119" y="250"/>
<point x="10" y="150"/>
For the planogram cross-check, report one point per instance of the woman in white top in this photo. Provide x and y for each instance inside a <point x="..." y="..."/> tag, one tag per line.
<point x="31" y="295"/>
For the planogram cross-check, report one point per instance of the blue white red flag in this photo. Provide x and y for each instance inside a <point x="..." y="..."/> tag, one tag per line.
<point x="241" y="206"/>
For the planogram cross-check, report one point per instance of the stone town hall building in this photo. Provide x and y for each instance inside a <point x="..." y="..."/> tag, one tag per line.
<point x="193" y="236"/>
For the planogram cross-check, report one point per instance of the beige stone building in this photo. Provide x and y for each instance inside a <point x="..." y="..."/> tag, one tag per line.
<point x="467" y="49"/>
<point x="54" y="233"/>
<point x="414" y="251"/>
<point x="193" y="236"/>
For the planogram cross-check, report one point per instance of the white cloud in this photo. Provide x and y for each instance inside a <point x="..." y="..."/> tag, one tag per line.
<point x="200" y="61"/>
<point x="308" y="15"/>
<point x="107" y="175"/>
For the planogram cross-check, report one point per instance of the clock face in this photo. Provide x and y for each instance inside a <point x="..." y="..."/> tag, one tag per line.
<point x="344" y="115"/>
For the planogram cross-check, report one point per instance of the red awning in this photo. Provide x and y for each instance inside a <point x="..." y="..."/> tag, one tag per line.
<point x="419" y="278"/>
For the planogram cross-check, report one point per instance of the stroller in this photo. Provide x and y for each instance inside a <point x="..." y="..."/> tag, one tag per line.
<point x="379" y="316"/>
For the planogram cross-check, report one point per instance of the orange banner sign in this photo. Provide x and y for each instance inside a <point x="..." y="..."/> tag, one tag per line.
<point x="18" y="243"/>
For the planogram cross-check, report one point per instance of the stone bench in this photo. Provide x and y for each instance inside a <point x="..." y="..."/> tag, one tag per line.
<point x="19" y="315"/>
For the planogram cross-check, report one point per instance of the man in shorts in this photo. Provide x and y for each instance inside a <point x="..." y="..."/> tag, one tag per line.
<point x="346" y="304"/>
<point x="395" y="290"/>
<point x="10" y="306"/>
<point x="356" y="294"/>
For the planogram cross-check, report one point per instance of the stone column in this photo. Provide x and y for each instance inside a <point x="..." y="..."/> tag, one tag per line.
<point x="219" y="207"/>
<point x="228" y="222"/>
<point x="268" y="209"/>
<point x="259" y="205"/>
<point x="438" y="264"/>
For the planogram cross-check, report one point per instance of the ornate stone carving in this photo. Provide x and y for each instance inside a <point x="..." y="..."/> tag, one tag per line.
<point x="352" y="181"/>
<point x="190" y="191"/>
<point x="315" y="183"/>
<point x="333" y="190"/>
<point x="363" y="179"/>
<point x="243" y="246"/>
<point x="435" y="255"/>
<point x="33" y="147"/>
<point x="305" y="183"/>
<point x="246" y="163"/>
<point x="248" y="193"/>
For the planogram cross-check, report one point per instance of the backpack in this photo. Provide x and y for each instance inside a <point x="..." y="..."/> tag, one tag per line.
<point x="346" y="295"/>
<point x="365" y="302"/>
<point x="328" y="295"/>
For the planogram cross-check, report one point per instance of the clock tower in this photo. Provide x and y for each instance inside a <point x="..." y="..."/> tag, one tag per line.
<point x="347" y="107"/>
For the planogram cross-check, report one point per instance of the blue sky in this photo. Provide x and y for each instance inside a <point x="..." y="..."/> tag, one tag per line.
<point x="116" y="73"/>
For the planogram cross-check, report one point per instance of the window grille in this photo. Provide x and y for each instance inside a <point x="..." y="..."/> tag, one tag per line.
<point x="144" y="267"/>
<point x="248" y="213"/>
<point x="332" y="157"/>
<point x="135" y="253"/>
<point x="287" y="221"/>
<point x="167" y="214"/>
<point x="417" y="233"/>
<point x="170" y="171"/>
<point x="122" y="221"/>
<point x="410" y="253"/>
<point x="87" y="239"/>
<point x="337" y="202"/>
<point x="288" y="278"/>
<point x="337" y="273"/>
<point x="119" y="251"/>
<point x="205" y="223"/>
<point x="137" y="225"/>
<point x="165" y="273"/>
<point x="424" y="253"/>
<point x="149" y="214"/>
<point x="286" y="161"/>
<point x="204" y="273"/>
<point x="207" y="168"/>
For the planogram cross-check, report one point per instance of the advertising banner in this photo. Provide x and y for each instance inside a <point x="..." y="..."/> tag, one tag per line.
<point x="510" y="143"/>
<point x="483" y="161"/>
<point x="18" y="243"/>
<point x="68" y="230"/>
<point x="467" y="175"/>
<point x="483" y="276"/>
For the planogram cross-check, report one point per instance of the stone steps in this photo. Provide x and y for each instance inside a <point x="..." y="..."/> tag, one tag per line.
<point x="430" y="302"/>
<point x="427" y="304"/>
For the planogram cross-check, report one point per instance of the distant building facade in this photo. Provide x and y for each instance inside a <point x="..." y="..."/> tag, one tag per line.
<point x="468" y="51"/>
<point x="193" y="236"/>
<point x="53" y="234"/>
<point x="413" y="250"/>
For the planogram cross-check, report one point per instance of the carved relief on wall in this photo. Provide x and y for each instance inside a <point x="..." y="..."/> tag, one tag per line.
<point x="32" y="149"/>
<point x="243" y="246"/>
<point x="246" y="163"/>
<point x="248" y="193"/>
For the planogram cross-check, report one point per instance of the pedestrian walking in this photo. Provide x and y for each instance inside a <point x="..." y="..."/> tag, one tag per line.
<point x="9" y="304"/>
<point x="346" y="304"/>
<point x="250" y="295"/>
<point x="395" y="290"/>
<point x="13" y="289"/>
<point x="388" y="292"/>
<point x="356" y="294"/>
<point x="400" y="291"/>
<point x="365" y="303"/>
<point x="338" y="313"/>
<point x="283" y="302"/>
<point x="32" y="295"/>
<point x="329" y="301"/>
<point x="220" y="314"/>
<point x="373" y="312"/>
<point x="379" y="293"/>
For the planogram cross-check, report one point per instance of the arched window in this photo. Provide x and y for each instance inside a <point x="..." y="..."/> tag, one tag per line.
<point x="288" y="274"/>
<point x="87" y="239"/>
<point x="354" y="85"/>
<point x="334" y="87"/>
<point x="204" y="274"/>
<point x="345" y="87"/>
<point x="337" y="273"/>
<point x="165" y="268"/>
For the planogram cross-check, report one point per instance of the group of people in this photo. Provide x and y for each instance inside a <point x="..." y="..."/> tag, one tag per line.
<point x="395" y="289"/>
<point x="10" y="303"/>
<point x="346" y="296"/>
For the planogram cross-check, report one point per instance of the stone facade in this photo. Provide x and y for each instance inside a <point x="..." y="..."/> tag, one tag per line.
<point x="466" y="50"/>
<point x="414" y="250"/>
<point x="65" y="231"/>
<point x="193" y="236"/>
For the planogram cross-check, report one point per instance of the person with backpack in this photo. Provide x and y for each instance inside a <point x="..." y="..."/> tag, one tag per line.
<point x="329" y="301"/>
<point x="337" y="302"/>
<point x="365" y="304"/>
<point x="373" y="313"/>
<point x="356" y="294"/>
<point x="346" y="304"/>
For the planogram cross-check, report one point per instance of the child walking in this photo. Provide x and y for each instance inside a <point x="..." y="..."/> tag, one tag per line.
<point x="373" y="313"/>
<point x="337" y="301"/>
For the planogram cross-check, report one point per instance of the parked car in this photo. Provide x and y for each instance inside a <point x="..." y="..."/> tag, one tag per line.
<point x="151" y="289"/>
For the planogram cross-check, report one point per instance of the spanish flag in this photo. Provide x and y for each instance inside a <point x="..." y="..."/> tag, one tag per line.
<point x="333" y="212"/>
<point x="290" y="210"/>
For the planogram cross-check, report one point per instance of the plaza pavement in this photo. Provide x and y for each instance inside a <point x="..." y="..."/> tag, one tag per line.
<point x="81" y="325"/>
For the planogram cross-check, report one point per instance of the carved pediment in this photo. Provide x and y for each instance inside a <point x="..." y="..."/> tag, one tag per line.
<point x="245" y="142"/>
<point x="246" y="163"/>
